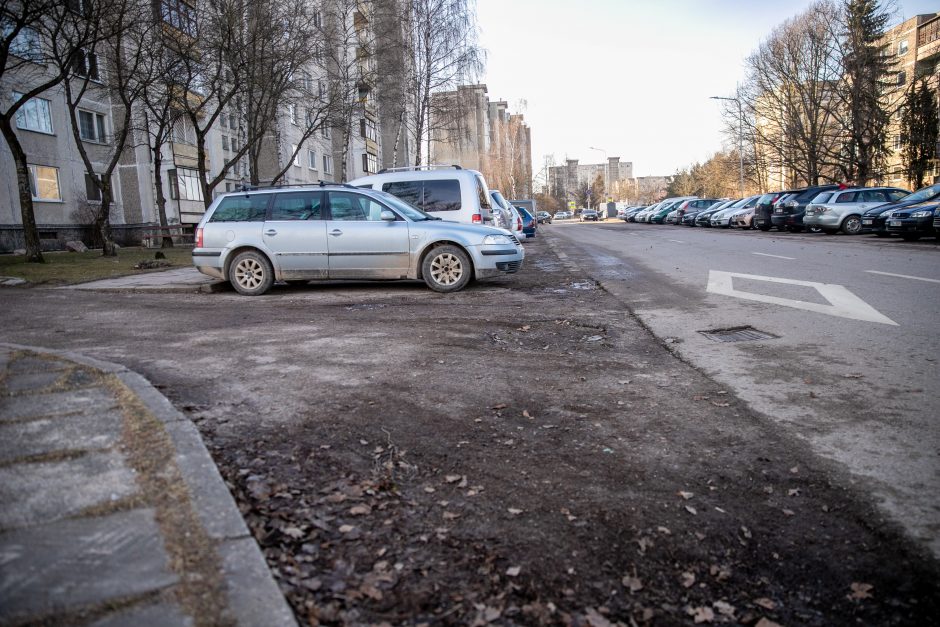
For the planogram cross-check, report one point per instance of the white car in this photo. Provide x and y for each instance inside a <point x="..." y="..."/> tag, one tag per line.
<point x="723" y="217"/>
<point x="841" y="210"/>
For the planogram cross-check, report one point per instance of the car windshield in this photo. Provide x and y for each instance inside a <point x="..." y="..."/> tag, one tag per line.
<point x="923" y="194"/>
<point x="405" y="208"/>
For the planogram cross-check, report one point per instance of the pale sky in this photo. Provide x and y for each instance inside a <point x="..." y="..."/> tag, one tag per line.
<point x="630" y="77"/>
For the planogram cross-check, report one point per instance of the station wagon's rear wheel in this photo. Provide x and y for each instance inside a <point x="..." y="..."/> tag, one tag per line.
<point x="446" y="269"/>
<point x="852" y="225"/>
<point x="251" y="274"/>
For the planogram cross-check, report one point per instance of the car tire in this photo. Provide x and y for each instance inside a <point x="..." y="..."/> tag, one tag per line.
<point x="251" y="273"/>
<point x="764" y="228"/>
<point x="446" y="269"/>
<point x="910" y="237"/>
<point x="830" y="231"/>
<point x="852" y="225"/>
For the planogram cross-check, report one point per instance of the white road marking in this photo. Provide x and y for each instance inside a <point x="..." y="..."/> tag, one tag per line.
<point x="774" y="256"/>
<point x="903" y="276"/>
<point x="843" y="303"/>
<point x="676" y="241"/>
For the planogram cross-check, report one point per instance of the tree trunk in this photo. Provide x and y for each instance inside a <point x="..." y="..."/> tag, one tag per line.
<point x="30" y="232"/>
<point x="167" y="240"/>
<point x="103" y="221"/>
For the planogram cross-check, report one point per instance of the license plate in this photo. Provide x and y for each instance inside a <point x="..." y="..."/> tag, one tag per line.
<point x="868" y="221"/>
<point x="778" y="210"/>
<point x="894" y="223"/>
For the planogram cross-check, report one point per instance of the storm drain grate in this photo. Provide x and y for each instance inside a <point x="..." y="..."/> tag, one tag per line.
<point x="737" y="334"/>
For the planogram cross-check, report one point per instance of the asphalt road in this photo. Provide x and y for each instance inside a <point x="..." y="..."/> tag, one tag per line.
<point x="852" y="368"/>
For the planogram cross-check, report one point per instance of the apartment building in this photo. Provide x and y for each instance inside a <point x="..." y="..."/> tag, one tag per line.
<point x="617" y="174"/>
<point x="304" y="144"/>
<point x="915" y="45"/>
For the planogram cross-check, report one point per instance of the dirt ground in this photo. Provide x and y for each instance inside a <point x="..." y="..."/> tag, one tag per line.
<point x="524" y="452"/>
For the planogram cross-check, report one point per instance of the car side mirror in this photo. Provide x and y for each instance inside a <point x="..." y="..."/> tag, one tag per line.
<point x="388" y="216"/>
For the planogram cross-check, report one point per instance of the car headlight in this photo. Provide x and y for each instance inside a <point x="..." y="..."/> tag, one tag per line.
<point x="922" y="214"/>
<point x="885" y="214"/>
<point x="497" y="239"/>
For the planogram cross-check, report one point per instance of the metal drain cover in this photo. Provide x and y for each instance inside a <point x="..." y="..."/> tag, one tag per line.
<point x="737" y="334"/>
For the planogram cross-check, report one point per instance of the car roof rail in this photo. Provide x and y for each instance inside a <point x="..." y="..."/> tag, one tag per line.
<point x="416" y="168"/>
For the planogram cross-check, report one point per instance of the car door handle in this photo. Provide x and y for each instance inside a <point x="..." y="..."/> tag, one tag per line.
<point x="336" y="232"/>
<point x="270" y="232"/>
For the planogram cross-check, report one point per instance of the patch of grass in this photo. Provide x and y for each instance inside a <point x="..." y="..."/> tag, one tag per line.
<point x="64" y="268"/>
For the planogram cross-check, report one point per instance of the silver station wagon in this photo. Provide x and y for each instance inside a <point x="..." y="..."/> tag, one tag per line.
<point x="332" y="231"/>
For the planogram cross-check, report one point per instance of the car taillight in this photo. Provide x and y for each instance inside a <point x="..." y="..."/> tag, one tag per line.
<point x="477" y="218"/>
<point x="519" y="224"/>
<point x="199" y="238"/>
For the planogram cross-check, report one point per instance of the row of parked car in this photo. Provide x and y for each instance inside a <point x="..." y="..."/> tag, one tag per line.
<point x="883" y="211"/>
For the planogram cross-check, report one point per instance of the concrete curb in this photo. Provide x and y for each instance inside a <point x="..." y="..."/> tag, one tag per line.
<point x="252" y="594"/>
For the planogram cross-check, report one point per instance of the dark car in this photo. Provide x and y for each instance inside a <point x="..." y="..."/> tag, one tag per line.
<point x="630" y="216"/>
<point x="544" y="217"/>
<point x="704" y="218"/>
<point x="765" y="208"/>
<point x="788" y="212"/>
<point x="915" y="221"/>
<point x="874" y="220"/>
<point x="693" y="207"/>
<point x="588" y="214"/>
<point x="528" y="222"/>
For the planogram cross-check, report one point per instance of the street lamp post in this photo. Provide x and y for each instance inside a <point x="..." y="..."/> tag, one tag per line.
<point x="606" y="168"/>
<point x="740" y="140"/>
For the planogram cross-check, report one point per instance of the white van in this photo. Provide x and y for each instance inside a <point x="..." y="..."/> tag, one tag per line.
<point x="447" y="192"/>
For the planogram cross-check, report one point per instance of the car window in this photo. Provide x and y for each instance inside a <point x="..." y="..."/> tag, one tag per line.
<point x="248" y="208"/>
<point x="897" y="194"/>
<point x="872" y="195"/>
<point x="847" y="197"/>
<point x="823" y="197"/>
<point x="297" y="206"/>
<point x="409" y="191"/>
<point x="442" y="195"/>
<point x="481" y="191"/>
<point x="347" y="206"/>
<point x="925" y="194"/>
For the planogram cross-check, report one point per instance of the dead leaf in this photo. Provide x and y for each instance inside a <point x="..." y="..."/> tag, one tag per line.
<point x="371" y="591"/>
<point x="861" y="590"/>
<point x="793" y="492"/>
<point x="451" y="516"/>
<point x="491" y="613"/>
<point x="633" y="584"/>
<point x="686" y="495"/>
<point x="644" y="543"/>
<point x="721" y="404"/>
<point x="702" y="614"/>
<point x="766" y="622"/>
<point x="513" y="571"/>
<point x="699" y="397"/>
<point x="687" y="579"/>
<point x="525" y="412"/>
<point x="724" y="608"/>
<point x="789" y="512"/>
<point x="596" y="619"/>
<point x="746" y="532"/>
<point x="346" y="528"/>
<point x="428" y="489"/>
<point x="691" y="510"/>
<point x="765" y="603"/>
<point x="293" y="532"/>
<point x="795" y="469"/>
<point x="664" y="530"/>
<point x="514" y="511"/>
<point x="500" y="406"/>
<point x="853" y="375"/>
<point x="524" y="328"/>
<point x="452" y="478"/>
<point x="360" y="510"/>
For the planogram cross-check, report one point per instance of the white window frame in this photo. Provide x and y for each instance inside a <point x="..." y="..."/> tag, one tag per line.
<point x="34" y="182"/>
<point x="85" y="70"/>
<point x="296" y="155"/>
<point x="89" y="185"/>
<point x="902" y="47"/>
<point x="36" y="108"/>
<point x="325" y="132"/>
<point x="292" y="113"/>
<point x="311" y="159"/>
<point x="327" y="164"/>
<point x="97" y="124"/>
<point x="184" y="184"/>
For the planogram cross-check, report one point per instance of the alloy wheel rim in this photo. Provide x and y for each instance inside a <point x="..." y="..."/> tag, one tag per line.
<point x="446" y="269"/>
<point x="249" y="273"/>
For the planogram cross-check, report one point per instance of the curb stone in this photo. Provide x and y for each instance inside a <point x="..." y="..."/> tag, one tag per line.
<point x="252" y="594"/>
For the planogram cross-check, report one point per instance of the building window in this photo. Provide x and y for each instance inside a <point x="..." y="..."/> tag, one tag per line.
<point x="327" y="164"/>
<point x="85" y="64"/>
<point x="902" y="78"/>
<point x="367" y="129"/>
<point x="34" y="115"/>
<point x="902" y="47"/>
<point x="225" y="142"/>
<point x="92" y="191"/>
<point x="296" y="154"/>
<point x="311" y="159"/>
<point x="184" y="184"/>
<point x="44" y="182"/>
<point x="897" y="142"/>
<point x="79" y="7"/>
<point x="370" y="163"/>
<point x="317" y="19"/>
<point x="292" y="113"/>
<point x="26" y="43"/>
<point x="183" y="132"/>
<point x="91" y="126"/>
<point x="325" y="131"/>
<point x="179" y="15"/>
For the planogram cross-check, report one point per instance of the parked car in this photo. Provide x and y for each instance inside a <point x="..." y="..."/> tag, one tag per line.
<point x="544" y="217"/>
<point x="841" y="210"/>
<point x="529" y="223"/>
<point x="254" y="238"/>
<point x="723" y="217"/>
<point x="765" y="208"/>
<point x="744" y="219"/>
<point x="788" y="212"/>
<point x="873" y="220"/>
<point x="563" y="215"/>
<point x="631" y="215"/>
<point x="446" y="192"/>
<point x="693" y="206"/>
<point x="704" y="218"/>
<point x="914" y="221"/>
<point x="507" y="216"/>
<point x="588" y="214"/>
<point x="665" y="207"/>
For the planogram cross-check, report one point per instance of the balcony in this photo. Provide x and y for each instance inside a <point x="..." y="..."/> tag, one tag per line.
<point x="928" y="39"/>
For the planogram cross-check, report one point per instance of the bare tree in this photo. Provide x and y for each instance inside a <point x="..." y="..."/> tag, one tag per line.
<point x="33" y="32"/>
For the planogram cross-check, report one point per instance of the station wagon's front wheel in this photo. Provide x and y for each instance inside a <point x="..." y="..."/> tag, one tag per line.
<point x="446" y="269"/>
<point x="251" y="274"/>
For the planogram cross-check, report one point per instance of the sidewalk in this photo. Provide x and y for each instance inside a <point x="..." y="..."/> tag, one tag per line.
<point x="167" y="281"/>
<point x="112" y="511"/>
